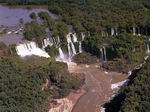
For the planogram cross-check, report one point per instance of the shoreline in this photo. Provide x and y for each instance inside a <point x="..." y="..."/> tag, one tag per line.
<point x="24" y="6"/>
<point x="98" y="85"/>
<point x="67" y="103"/>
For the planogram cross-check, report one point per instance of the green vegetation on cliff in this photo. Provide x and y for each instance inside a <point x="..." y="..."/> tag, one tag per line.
<point x="85" y="58"/>
<point x="138" y="93"/>
<point x="28" y="85"/>
<point x="136" y="96"/>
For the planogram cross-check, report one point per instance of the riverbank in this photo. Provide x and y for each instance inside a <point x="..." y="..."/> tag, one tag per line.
<point x="66" y="104"/>
<point x="96" y="91"/>
<point x="26" y="6"/>
<point x="116" y="102"/>
<point x="98" y="87"/>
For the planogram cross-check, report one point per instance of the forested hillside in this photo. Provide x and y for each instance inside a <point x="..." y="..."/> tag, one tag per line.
<point x="122" y="27"/>
<point x="134" y="97"/>
<point x="138" y="94"/>
<point x="100" y="20"/>
<point x="29" y="85"/>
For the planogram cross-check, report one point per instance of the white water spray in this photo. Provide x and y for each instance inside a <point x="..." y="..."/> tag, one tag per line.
<point x="69" y="51"/>
<point x="83" y="36"/>
<point x="30" y="48"/>
<point x="75" y="37"/>
<point x="47" y="42"/>
<point x="103" y="54"/>
<point x="105" y="57"/>
<point x="134" y="31"/>
<point x="80" y="47"/>
<point x="148" y="50"/>
<point x="62" y="56"/>
<point x="101" y="51"/>
<point x="73" y="49"/>
<point x="112" y="32"/>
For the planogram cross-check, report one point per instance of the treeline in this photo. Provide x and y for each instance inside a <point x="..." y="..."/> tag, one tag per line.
<point x="100" y="21"/>
<point x="138" y="93"/>
<point x="123" y="51"/>
<point x="29" y="85"/>
<point x="24" y="2"/>
<point x="99" y="16"/>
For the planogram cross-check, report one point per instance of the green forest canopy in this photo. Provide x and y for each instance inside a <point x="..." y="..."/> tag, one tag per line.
<point x="94" y="16"/>
<point x="21" y="83"/>
<point x="136" y="96"/>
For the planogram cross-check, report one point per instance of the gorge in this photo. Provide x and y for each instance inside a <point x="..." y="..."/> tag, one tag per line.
<point x="73" y="56"/>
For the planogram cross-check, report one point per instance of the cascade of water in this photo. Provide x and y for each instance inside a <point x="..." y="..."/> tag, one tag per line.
<point x="116" y="31"/>
<point x="148" y="50"/>
<point x="69" y="50"/>
<point x="105" y="57"/>
<point x="54" y="40"/>
<point x="44" y="43"/>
<point x="74" y="37"/>
<point x="101" y="51"/>
<point x="83" y="36"/>
<point x="72" y="45"/>
<point x="27" y="46"/>
<point x="68" y="38"/>
<point x="62" y="56"/>
<point x="58" y="40"/>
<point x="51" y="41"/>
<point x="134" y="31"/>
<point x="30" y="48"/>
<point x="73" y="48"/>
<point x="112" y="32"/>
<point x="80" y="47"/>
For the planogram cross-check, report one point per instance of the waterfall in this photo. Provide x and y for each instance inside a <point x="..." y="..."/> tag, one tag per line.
<point x="103" y="54"/>
<point x="112" y="32"/>
<point x="74" y="37"/>
<point x="68" y="38"/>
<point x="47" y="42"/>
<point x="134" y="31"/>
<point x="58" y="39"/>
<point x="105" y="57"/>
<point x="148" y="50"/>
<point x="116" y="31"/>
<point x="83" y="36"/>
<point x="30" y="48"/>
<point x="80" y="47"/>
<point x="101" y="51"/>
<point x="62" y="56"/>
<point x="73" y="48"/>
<point x="72" y="45"/>
<point x="69" y="50"/>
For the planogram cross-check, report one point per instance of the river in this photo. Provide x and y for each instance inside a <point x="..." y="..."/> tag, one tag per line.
<point x="10" y="16"/>
<point x="98" y="87"/>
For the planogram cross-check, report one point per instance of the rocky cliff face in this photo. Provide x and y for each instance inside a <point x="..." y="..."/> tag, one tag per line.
<point x="66" y="104"/>
<point x="62" y="105"/>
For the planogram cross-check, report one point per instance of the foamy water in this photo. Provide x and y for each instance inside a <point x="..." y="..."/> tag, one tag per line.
<point x="30" y="48"/>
